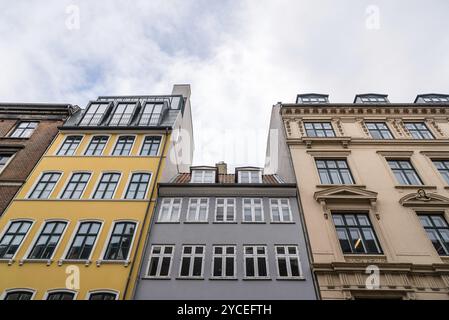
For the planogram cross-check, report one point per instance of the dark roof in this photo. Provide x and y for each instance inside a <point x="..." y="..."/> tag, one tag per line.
<point x="228" y="178"/>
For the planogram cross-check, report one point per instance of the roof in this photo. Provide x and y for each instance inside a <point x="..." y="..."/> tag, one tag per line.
<point x="228" y="178"/>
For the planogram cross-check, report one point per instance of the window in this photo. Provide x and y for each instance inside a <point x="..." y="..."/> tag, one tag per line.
<point x="122" y="114"/>
<point x="151" y="114"/>
<point x="252" y="210"/>
<point x="198" y="210"/>
<point x="94" y="114"/>
<point x="160" y="261"/>
<point x="103" y="296"/>
<point x="123" y="146"/>
<point x="69" y="146"/>
<point x="24" y="129"/>
<point x="438" y="232"/>
<point x="225" y="210"/>
<point x="170" y="210"/>
<point x="4" y="159"/>
<point x="76" y="186"/>
<point x="138" y="185"/>
<point x="19" y="295"/>
<point x="443" y="168"/>
<point x="45" y="185"/>
<point x="61" y="295"/>
<point x="374" y="99"/>
<point x="192" y="262"/>
<point x="250" y="177"/>
<point x="379" y="130"/>
<point x="96" y="146"/>
<point x="150" y="146"/>
<point x="319" y="129"/>
<point x="280" y="210"/>
<point x="355" y="233"/>
<point x="203" y="176"/>
<point x="287" y="260"/>
<point x="106" y="187"/>
<point x="223" y="262"/>
<point x="13" y="237"/>
<point x="334" y="171"/>
<point x="255" y="261"/>
<point x="47" y="241"/>
<point x="404" y="172"/>
<point x="83" y="243"/>
<point x="120" y="242"/>
<point x="419" y="130"/>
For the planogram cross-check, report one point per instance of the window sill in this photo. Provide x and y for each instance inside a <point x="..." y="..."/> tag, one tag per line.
<point x="405" y="186"/>
<point x="291" y="278"/>
<point x="340" y="185"/>
<point x="282" y="222"/>
<point x="257" y="279"/>
<point x="46" y="261"/>
<point x="196" y="222"/>
<point x="189" y="278"/>
<point x="8" y="261"/>
<point x="125" y="263"/>
<point x="223" y="278"/>
<point x="365" y="257"/>
<point x="156" y="278"/>
<point x="225" y="222"/>
<point x="253" y="222"/>
<point x="74" y="261"/>
<point x="168" y="222"/>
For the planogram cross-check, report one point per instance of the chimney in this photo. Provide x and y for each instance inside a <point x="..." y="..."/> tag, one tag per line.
<point x="222" y="167"/>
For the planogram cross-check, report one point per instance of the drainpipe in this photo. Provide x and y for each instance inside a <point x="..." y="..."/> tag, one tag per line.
<point x="147" y="213"/>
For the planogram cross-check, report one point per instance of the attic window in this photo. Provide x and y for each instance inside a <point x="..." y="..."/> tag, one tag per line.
<point x="250" y="176"/>
<point x="312" y="98"/>
<point x="122" y="114"/>
<point x="203" y="176"/>
<point x="436" y="99"/>
<point x="371" y="98"/>
<point x="374" y="99"/>
<point x="151" y="114"/>
<point x="94" y="114"/>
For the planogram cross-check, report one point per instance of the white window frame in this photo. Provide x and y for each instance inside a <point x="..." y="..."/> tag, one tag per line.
<point x="169" y="202"/>
<point x="36" y="182"/>
<point x="108" y="239"/>
<point x="202" y="176"/>
<point x="90" y="141"/>
<point x="16" y="126"/>
<point x="250" y="176"/>
<point x="159" y="265"/>
<point x="280" y="206"/>
<point x="225" y="207"/>
<point x="197" y="202"/>
<point x="255" y="255"/>
<point x="99" y="181"/>
<point x="64" y="140"/>
<point x="5" y="229"/>
<point x="116" y="292"/>
<point x="12" y="290"/>
<point x="158" y="149"/>
<point x="12" y="155"/>
<point x="125" y="191"/>
<point x="61" y="192"/>
<point x="253" y="210"/>
<point x="48" y="292"/>
<point x="223" y="256"/>
<point x="287" y="257"/>
<point x="192" y="256"/>
<point x="111" y="153"/>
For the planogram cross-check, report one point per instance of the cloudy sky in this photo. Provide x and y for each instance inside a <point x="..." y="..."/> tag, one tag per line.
<point x="240" y="57"/>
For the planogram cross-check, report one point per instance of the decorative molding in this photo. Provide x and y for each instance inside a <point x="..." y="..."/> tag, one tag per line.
<point x="423" y="199"/>
<point x="395" y="153"/>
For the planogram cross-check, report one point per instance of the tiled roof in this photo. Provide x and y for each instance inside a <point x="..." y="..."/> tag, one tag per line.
<point x="228" y="178"/>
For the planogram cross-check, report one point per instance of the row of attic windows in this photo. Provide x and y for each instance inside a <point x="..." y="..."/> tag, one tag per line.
<point x="313" y="98"/>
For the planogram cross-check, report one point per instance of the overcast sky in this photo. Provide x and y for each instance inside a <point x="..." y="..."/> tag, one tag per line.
<point x="240" y="57"/>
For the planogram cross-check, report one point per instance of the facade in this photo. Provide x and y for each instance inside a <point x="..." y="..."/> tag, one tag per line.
<point x="74" y="231"/>
<point x="216" y="235"/>
<point x="373" y="180"/>
<point x="26" y="131"/>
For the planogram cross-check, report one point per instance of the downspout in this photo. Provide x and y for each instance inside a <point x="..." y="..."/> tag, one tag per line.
<point x="147" y="212"/>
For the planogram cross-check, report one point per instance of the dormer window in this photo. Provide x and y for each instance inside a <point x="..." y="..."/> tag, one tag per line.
<point x="152" y="114"/>
<point x="122" y="114"/>
<point x="312" y="98"/>
<point x="203" y="176"/>
<point x="432" y="98"/>
<point x="250" y="176"/>
<point x="371" y="98"/>
<point x="94" y="114"/>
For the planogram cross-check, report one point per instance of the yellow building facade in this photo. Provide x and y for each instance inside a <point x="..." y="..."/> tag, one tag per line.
<point x="76" y="230"/>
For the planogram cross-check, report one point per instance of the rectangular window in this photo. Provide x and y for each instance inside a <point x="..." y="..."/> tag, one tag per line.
<point x="69" y="146"/>
<point x="355" y="233"/>
<point x="83" y="243"/>
<point x="404" y="172"/>
<point x="48" y="240"/>
<point x="255" y="262"/>
<point x="122" y="114"/>
<point x="120" y="242"/>
<point x="96" y="146"/>
<point x="13" y="237"/>
<point x="24" y="129"/>
<point x="437" y="230"/>
<point x="379" y="130"/>
<point x="442" y="166"/>
<point x="151" y="114"/>
<point x="4" y="158"/>
<point x="45" y="186"/>
<point x="61" y="295"/>
<point x="419" y="130"/>
<point x="106" y="187"/>
<point x="225" y="210"/>
<point x="280" y="210"/>
<point x="160" y="261"/>
<point x="150" y="146"/>
<point x="138" y="186"/>
<point x="203" y="176"/>
<point x="334" y="171"/>
<point x="253" y="210"/>
<point x="19" y="295"/>
<point x="94" y="114"/>
<point x="76" y="186"/>
<point x="99" y="296"/>
<point x="250" y="177"/>
<point x="170" y="210"/>
<point x="123" y="146"/>
<point x="223" y="262"/>
<point x="192" y="262"/>
<point x="198" y="210"/>
<point x="288" y="263"/>
<point x="319" y="129"/>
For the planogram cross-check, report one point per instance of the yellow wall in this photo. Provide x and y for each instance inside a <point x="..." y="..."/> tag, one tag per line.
<point x="111" y="276"/>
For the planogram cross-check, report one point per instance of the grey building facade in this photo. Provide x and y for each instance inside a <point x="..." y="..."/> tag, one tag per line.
<point x="226" y="236"/>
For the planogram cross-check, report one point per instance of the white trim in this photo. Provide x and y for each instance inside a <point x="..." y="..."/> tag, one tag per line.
<point x="197" y="211"/>
<point x="250" y="180"/>
<point x="143" y="141"/>
<point x="30" y="290"/>
<point x="115" y="144"/>
<point x="130" y="174"/>
<point x="160" y="256"/>
<point x="98" y="182"/>
<point x="50" y="291"/>
<point x="192" y="256"/>
<point x="67" y="181"/>
<point x="255" y="255"/>
<point x="202" y="174"/>
<point x="8" y="161"/>
<point x="279" y="205"/>
<point x="83" y="154"/>
<point x="30" y="191"/>
<point x="74" y="233"/>
<point x="253" y="211"/>
<point x="108" y="239"/>
<point x="225" y="212"/>
<point x="62" y="143"/>
<point x="170" y="207"/>
<point x="287" y="257"/>
<point x="24" y="238"/>
<point x="116" y="292"/>
<point x="224" y="255"/>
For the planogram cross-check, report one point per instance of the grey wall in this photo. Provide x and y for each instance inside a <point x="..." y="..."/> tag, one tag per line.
<point x="238" y="234"/>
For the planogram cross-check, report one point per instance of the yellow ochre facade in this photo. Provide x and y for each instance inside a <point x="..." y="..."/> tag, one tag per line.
<point x="107" y="220"/>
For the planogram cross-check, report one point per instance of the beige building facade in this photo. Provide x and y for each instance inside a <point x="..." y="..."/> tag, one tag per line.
<point x="373" y="180"/>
